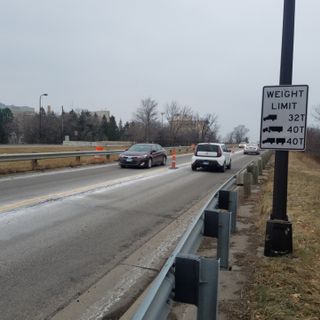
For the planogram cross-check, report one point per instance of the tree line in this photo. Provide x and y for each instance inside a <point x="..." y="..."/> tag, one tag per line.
<point x="176" y="125"/>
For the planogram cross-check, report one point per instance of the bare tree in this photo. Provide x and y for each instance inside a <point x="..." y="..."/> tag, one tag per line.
<point x="239" y="134"/>
<point x="229" y="138"/>
<point x="316" y="115"/>
<point x="208" y="127"/>
<point x="146" y="115"/>
<point x="179" y="119"/>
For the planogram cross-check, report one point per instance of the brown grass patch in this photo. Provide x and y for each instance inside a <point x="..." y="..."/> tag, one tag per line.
<point x="289" y="287"/>
<point x="23" y="166"/>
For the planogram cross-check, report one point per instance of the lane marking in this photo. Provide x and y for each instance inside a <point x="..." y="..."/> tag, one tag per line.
<point x="93" y="187"/>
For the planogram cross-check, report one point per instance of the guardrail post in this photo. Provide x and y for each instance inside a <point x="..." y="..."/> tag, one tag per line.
<point x="252" y="168"/>
<point x="259" y="164"/>
<point x="228" y="200"/>
<point x="233" y="208"/>
<point x="240" y="179"/>
<point x="247" y="178"/>
<point x="34" y="164"/>
<point x="196" y="282"/>
<point x="77" y="160"/>
<point x="217" y="224"/>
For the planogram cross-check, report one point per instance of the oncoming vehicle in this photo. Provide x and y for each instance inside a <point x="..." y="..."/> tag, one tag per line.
<point x="251" y="149"/>
<point x="211" y="156"/>
<point x="242" y="144"/>
<point x="143" y="155"/>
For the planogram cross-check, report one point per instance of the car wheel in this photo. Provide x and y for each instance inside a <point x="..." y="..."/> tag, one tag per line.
<point x="194" y="168"/>
<point x="122" y="166"/>
<point x="164" y="161"/>
<point x="149" y="163"/>
<point x="229" y="165"/>
<point x="223" y="168"/>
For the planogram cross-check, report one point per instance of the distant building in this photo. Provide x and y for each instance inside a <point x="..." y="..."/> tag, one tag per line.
<point x="102" y="113"/>
<point x="18" y="110"/>
<point x="21" y="116"/>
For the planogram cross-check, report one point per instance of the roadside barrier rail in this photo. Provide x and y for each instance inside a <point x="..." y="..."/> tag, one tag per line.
<point x="70" y="154"/>
<point x="187" y="277"/>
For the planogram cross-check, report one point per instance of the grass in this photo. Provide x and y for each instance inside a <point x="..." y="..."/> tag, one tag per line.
<point x="288" y="287"/>
<point x="23" y="166"/>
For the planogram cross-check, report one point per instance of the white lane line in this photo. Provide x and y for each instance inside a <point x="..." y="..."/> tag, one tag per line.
<point x="98" y="187"/>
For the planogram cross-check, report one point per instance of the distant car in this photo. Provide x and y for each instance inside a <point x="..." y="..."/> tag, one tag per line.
<point x="211" y="156"/>
<point x="143" y="155"/>
<point x="251" y="149"/>
<point x="242" y="144"/>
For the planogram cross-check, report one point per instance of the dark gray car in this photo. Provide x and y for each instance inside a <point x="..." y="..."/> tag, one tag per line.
<point x="143" y="155"/>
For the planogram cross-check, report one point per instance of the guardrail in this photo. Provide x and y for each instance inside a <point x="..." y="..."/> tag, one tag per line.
<point x="189" y="278"/>
<point x="34" y="157"/>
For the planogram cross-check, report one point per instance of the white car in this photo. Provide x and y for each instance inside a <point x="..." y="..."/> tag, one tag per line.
<point x="211" y="156"/>
<point x="251" y="149"/>
<point x="242" y="144"/>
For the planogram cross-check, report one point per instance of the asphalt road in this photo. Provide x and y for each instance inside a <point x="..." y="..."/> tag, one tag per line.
<point x="61" y="231"/>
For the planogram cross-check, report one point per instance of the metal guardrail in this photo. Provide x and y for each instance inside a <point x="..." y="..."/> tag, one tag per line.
<point x="184" y="272"/>
<point x="157" y="303"/>
<point x="70" y="154"/>
<point x="53" y="155"/>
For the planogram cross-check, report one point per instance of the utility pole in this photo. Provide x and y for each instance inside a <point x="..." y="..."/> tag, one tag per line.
<point x="62" y="128"/>
<point x="279" y="229"/>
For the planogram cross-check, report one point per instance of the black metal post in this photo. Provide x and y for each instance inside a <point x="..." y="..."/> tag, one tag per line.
<point x="40" y="113"/>
<point x="279" y="229"/>
<point x="40" y="118"/>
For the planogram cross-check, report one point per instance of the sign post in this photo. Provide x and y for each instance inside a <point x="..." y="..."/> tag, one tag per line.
<point x="278" y="239"/>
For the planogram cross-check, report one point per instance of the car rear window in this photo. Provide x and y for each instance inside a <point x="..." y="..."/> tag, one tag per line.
<point x="140" y="148"/>
<point x="208" y="148"/>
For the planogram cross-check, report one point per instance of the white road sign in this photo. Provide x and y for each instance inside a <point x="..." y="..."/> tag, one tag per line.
<point x="284" y="117"/>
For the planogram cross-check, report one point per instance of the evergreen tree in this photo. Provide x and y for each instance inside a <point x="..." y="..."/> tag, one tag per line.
<point x="103" y="129"/>
<point x="6" y="118"/>
<point x="113" y="130"/>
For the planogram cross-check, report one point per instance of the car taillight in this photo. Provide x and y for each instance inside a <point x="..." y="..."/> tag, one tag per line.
<point x="219" y="153"/>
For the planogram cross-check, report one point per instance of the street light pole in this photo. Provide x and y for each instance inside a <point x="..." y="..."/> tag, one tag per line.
<point x="162" y="114"/>
<point x="40" y="111"/>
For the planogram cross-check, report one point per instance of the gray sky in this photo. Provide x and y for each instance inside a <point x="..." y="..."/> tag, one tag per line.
<point x="214" y="56"/>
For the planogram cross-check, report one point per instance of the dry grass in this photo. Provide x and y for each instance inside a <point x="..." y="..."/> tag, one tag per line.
<point x="289" y="287"/>
<point x="23" y="166"/>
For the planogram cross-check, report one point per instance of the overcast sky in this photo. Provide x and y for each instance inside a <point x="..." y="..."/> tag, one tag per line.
<point x="214" y="56"/>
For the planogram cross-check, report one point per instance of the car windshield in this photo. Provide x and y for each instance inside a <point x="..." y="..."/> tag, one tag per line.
<point x="140" y="148"/>
<point x="208" y="147"/>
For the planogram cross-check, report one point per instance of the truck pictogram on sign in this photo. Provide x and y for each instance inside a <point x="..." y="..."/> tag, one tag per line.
<point x="284" y="117"/>
<point x="274" y="129"/>
<point x="270" y="117"/>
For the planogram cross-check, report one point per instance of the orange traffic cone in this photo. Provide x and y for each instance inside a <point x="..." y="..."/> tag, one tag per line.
<point x="99" y="158"/>
<point x="173" y="162"/>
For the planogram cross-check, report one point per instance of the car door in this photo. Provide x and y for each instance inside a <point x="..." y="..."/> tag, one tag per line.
<point x="160" y="152"/>
<point x="155" y="154"/>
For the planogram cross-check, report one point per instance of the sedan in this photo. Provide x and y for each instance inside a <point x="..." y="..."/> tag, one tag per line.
<point x="143" y="155"/>
<point x="251" y="149"/>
